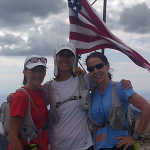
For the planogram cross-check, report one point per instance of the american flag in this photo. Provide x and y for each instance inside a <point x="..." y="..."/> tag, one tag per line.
<point x="89" y="33"/>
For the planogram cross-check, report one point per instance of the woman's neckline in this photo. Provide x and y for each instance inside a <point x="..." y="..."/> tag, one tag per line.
<point x="32" y="89"/>
<point x="63" y="80"/>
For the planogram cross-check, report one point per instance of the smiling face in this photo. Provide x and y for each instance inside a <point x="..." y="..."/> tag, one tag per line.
<point x="35" y="76"/>
<point x="100" y="76"/>
<point x="65" y="59"/>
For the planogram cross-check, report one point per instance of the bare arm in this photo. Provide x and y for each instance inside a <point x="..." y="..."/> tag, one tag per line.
<point x="15" y="123"/>
<point x="140" y="103"/>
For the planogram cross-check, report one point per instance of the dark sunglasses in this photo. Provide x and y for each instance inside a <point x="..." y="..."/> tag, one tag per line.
<point x="98" y="66"/>
<point x="36" y="59"/>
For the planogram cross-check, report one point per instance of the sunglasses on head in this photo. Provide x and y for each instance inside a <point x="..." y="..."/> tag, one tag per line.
<point x="36" y="59"/>
<point x="98" y="66"/>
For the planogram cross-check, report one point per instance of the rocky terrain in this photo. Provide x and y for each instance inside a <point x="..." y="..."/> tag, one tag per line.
<point x="145" y="142"/>
<point x="3" y="142"/>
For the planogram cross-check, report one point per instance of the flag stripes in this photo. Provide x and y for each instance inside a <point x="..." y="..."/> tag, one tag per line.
<point x="89" y="33"/>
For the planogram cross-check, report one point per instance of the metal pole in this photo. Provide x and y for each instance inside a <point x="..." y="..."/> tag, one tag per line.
<point x="77" y="56"/>
<point x="104" y="15"/>
<point x="77" y="59"/>
<point x="104" y="11"/>
<point x="93" y="2"/>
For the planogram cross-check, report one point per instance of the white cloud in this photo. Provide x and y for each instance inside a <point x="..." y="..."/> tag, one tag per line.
<point x="38" y="27"/>
<point x="11" y="73"/>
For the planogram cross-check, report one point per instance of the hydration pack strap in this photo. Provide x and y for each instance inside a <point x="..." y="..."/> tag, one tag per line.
<point x="115" y="98"/>
<point x="33" y="105"/>
<point x="72" y="97"/>
<point x="116" y="101"/>
<point x="43" y="126"/>
<point x="51" y="94"/>
<point x="58" y="104"/>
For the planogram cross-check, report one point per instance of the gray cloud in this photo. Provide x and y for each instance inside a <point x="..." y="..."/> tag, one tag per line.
<point x="136" y="19"/>
<point x="39" y="42"/>
<point x="16" y="13"/>
<point x="112" y="20"/>
<point x="9" y="39"/>
<point x="18" y="17"/>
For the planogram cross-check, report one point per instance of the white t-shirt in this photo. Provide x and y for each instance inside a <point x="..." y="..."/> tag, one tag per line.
<point x="71" y="132"/>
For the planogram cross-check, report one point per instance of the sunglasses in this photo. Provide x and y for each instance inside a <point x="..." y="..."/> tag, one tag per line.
<point x="36" y="59"/>
<point x="98" y="66"/>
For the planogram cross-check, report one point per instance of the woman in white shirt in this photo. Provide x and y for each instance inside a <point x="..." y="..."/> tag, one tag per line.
<point x="71" y="131"/>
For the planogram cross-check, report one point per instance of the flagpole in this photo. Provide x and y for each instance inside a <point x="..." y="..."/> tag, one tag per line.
<point x="104" y="15"/>
<point x="93" y="2"/>
<point x="104" y="19"/>
<point x="79" y="56"/>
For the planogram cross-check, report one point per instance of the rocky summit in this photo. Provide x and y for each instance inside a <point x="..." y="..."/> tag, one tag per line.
<point x="145" y="142"/>
<point x="3" y="142"/>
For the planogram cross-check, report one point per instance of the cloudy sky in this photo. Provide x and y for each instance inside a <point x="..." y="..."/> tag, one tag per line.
<point x="35" y="27"/>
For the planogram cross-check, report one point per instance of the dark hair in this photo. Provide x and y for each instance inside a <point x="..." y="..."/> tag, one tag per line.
<point x="100" y="56"/>
<point x="24" y="78"/>
<point x="73" y="74"/>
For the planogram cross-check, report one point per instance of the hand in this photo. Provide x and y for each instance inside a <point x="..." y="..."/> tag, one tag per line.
<point x="9" y="97"/>
<point x="79" y="71"/>
<point x="127" y="141"/>
<point x="126" y="84"/>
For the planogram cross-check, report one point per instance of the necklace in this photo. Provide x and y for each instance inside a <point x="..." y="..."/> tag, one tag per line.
<point x="102" y="107"/>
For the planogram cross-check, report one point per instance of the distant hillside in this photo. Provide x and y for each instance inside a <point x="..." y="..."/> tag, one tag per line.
<point x="136" y="115"/>
<point x="135" y="112"/>
<point x="134" y="108"/>
<point x="2" y="98"/>
<point x="3" y="142"/>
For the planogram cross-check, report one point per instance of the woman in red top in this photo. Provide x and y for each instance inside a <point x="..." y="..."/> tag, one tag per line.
<point x="34" y="73"/>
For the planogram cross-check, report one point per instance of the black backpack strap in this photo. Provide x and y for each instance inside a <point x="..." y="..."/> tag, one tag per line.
<point x="72" y="97"/>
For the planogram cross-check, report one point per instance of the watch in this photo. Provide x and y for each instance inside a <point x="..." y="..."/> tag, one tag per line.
<point x="136" y="136"/>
